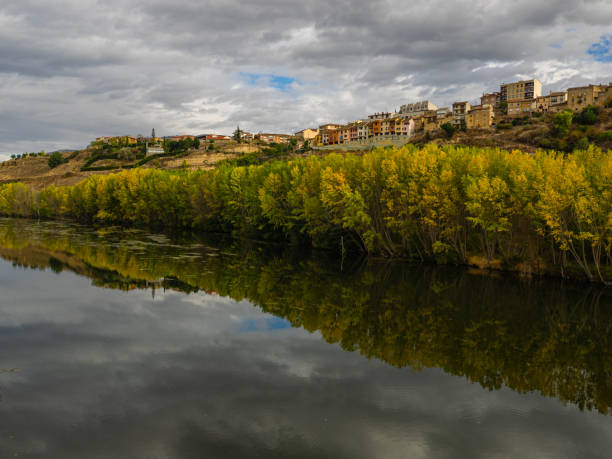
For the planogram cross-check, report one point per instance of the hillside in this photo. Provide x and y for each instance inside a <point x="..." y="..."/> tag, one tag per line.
<point x="533" y="132"/>
<point x="529" y="134"/>
<point x="35" y="170"/>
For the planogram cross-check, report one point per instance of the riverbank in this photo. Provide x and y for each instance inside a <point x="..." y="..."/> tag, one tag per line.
<point x="536" y="214"/>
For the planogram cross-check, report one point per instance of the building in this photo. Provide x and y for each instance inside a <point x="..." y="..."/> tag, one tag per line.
<point x="557" y="98"/>
<point x="214" y="137"/>
<point x="177" y="138"/>
<point x="543" y="104"/>
<point x="417" y="109"/>
<point x="154" y="149"/>
<point x="324" y="133"/>
<point x="521" y="107"/>
<point x="246" y="136"/>
<point x="581" y="97"/>
<point x="379" y="116"/>
<point x="306" y="134"/>
<point x="460" y="109"/>
<point x="493" y="99"/>
<point x="273" y="138"/>
<point x="479" y="117"/>
<point x="430" y="122"/>
<point x="520" y="90"/>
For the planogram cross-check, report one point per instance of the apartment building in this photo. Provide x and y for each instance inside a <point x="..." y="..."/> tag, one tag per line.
<point x="493" y="99"/>
<point x="479" y="117"/>
<point x="520" y="90"/>
<point x="417" y="109"/>
<point x="460" y="109"/>
<point x="581" y="97"/>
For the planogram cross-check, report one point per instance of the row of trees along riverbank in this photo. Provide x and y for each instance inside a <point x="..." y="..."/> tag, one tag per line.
<point x="547" y="213"/>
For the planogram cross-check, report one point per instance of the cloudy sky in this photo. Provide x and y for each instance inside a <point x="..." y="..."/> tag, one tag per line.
<point x="71" y="70"/>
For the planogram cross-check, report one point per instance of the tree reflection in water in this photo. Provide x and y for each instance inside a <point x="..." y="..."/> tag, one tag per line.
<point x="527" y="334"/>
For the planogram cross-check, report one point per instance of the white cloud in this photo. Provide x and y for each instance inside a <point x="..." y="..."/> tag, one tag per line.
<point x="78" y="69"/>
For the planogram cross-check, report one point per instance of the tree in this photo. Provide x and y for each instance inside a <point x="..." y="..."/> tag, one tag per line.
<point x="238" y="134"/>
<point x="196" y="143"/>
<point x="153" y="133"/>
<point x="562" y="122"/>
<point x="503" y="105"/>
<point x="588" y="116"/>
<point x="449" y="129"/>
<point x="292" y="145"/>
<point x="55" y="159"/>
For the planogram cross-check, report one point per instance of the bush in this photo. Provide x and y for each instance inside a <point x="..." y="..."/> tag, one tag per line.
<point x="55" y="159"/>
<point x="605" y="136"/>
<point x="582" y="144"/>
<point x="504" y="126"/>
<point x="562" y="122"/>
<point x="449" y="129"/>
<point x="588" y="116"/>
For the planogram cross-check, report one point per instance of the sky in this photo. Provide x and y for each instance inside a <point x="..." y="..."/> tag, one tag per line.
<point x="72" y="70"/>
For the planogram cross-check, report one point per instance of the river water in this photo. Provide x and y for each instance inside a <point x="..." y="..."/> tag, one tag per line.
<point x="127" y="344"/>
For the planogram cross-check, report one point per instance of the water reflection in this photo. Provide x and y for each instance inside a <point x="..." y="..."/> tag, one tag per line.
<point x="114" y="373"/>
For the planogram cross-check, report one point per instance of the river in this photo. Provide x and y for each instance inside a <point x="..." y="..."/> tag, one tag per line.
<point x="128" y="344"/>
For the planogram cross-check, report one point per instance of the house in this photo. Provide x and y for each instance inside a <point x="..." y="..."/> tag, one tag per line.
<point x="521" y="107"/>
<point x="306" y="134"/>
<point x="177" y="138"/>
<point x="460" y="109"/>
<point x="581" y="97"/>
<point x="493" y="99"/>
<point x="543" y="103"/>
<point x="558" y="98"/>
<point x="205" y="137"/>
<point x="479" y="117"/>
<point x="273" y="138"/>
<point x="417" y="109"/>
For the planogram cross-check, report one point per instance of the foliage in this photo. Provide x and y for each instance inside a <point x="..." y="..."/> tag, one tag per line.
<point x="504" y="126"/>
<point x="548" y="336"/>
<point x="562" y="122"/>
<point x="542" y="213"/>
<point x="237" y="135"/>
<point x="449" y="129"/>
<point x="588" y="116"/>
<point x="55" y="159"/>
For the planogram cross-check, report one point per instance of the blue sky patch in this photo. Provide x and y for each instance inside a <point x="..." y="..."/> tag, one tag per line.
<point x="280" y="82"/>
<point x="602" y="51"/>
<point x="262" y="324"/>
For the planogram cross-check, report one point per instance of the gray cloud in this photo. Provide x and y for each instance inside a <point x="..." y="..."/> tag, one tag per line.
<point x="72" y="70"/>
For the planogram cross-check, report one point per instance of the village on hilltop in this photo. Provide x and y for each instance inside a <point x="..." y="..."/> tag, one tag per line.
<point x="517" y="99"/>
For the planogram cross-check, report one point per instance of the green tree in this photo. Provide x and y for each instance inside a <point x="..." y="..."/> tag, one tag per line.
<point x="562" y="122"/>
<point x="588" y="116"/>
<point x="449" y="129"/>
<point x="237" y="136"/>
<point x="55" y="159"/>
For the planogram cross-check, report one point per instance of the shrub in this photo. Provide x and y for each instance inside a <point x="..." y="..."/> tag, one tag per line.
<point x="449" y="129"/>
<point x="588" y="116"/>
<point x="55" y="159"/>
<point x="562" y="122"/>
<point x="582" y="144"/>
<point x="504" y="126"/>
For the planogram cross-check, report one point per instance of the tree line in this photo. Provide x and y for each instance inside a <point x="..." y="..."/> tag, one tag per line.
<point x="547" y="213"/>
